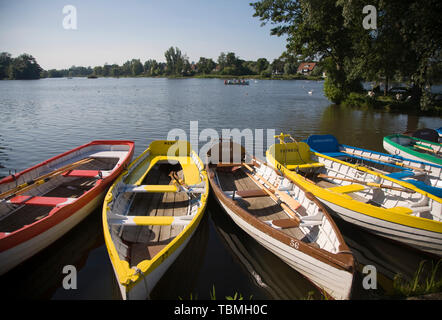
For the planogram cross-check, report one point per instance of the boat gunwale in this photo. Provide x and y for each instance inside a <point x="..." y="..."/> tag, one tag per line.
<point x="427" y="157"/>
<point x="393" y="156"/>
<point x="130" y="143"/>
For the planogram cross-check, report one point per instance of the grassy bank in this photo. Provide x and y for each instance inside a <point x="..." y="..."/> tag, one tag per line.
<point x="388" y="104"/>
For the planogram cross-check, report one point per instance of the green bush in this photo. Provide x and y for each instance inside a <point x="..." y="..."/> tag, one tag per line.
<point x="332" y="92"/>
<point x="266" y="74"/>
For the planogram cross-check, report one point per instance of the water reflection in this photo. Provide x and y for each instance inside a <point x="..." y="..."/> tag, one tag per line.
<point x="41" y="276"/>
<point x="264" y="269"/>
<point x="390" y="259"/>
<point x="367" y="128"/>
<point x="180" y="280"/>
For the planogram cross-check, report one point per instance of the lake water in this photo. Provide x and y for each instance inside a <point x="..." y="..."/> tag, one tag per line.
<point x="40" y="119"/>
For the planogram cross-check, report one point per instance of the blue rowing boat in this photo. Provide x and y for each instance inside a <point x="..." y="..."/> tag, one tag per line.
<point x="423" y="175"/>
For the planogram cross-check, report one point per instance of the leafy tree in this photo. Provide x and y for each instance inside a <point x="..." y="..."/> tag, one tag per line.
<point x="154" y="68"/>
<point x="175" y="61"/>
<point x="277" y="66"/>
<point x="5" y="61"/>
<point x="222" y="61"/>
<point x="148" y="64"/>
<point x="126" y="68"/>
<point x="136" y="67"/>
<point x="24" y="67"/>
<point x="205" y="65"/>
<point x="290" y="68"/>
<point x="98" y="71"/>
<point x="313" y="27"/>
<point x="231" y="59"/>
<point x="115" y="71"/>
<point x="261" y="64"/>
<point x="55" y="73"/>
<point x="106" y="70"/>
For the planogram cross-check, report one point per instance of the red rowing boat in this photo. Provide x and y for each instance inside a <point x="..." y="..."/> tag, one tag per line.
<point x="42" y="203"/>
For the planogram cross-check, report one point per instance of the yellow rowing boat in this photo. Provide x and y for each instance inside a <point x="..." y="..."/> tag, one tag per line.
<point x="151" y="212"/>
<point x="382" y="205"/>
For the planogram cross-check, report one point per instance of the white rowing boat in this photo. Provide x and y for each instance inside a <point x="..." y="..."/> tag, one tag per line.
<point x="285" y="219"/>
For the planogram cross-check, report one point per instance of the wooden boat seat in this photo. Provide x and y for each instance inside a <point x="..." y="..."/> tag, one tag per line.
<point x="304" y="166"/>
<point x="82" y="173"/>
<point x="348" y="188"/>
<point x="41" y="201"/>
<point x="251" y="193"/>
<point x="285" y="223"/>
<point x="156" y="188"/>
<point x="190" y="171"/>
<point x="108" y="154"/>
<point x="150" y="220"/>
<point x="351" y="196"/>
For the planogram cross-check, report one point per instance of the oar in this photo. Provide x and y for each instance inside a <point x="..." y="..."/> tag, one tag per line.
<point x="173" y="175"/>
<point x="44" y="178"/>
<point x="428" y="149"/>
<point x="369" y="184"/>
<point x="272" y="190"/>
<point x="410" y="167"/>
<point x="387" y="161"/>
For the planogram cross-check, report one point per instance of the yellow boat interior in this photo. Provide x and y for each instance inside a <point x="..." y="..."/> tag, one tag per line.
<point x="353" y="182"/>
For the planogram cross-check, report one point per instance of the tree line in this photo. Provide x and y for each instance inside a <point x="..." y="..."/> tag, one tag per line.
<point x="22" y="67"/>
<point x="405" y="46"/>
<point x="176" y="64"/>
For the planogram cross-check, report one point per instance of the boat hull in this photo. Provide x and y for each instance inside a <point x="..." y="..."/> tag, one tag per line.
<point x="25" y="250"/>
<point x="399" y="152"/>
<point x="142" y="289"/>
<point x="334" y="281"/>
<point x="423" y="240"/>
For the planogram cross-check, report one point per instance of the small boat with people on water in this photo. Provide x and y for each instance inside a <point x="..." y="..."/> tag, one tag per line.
<point x="237" y="82"/>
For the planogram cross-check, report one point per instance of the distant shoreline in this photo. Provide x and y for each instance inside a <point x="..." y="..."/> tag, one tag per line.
<point x="212" y="76"/>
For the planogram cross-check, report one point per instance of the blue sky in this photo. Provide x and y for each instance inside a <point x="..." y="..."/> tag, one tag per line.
<point x="115" y="31"/>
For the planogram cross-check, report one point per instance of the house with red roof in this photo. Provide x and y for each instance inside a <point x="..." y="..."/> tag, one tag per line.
<point x="306" y="67"/>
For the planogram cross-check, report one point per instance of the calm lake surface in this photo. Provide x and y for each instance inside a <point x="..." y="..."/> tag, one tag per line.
<point x="40" y="119"/>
